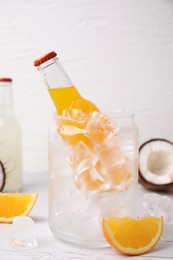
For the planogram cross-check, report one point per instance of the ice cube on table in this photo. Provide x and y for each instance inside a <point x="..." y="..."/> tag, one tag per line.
<point x="23" y="233"/>
<point x="167" y="234"/>
<point x="160" y="205"/>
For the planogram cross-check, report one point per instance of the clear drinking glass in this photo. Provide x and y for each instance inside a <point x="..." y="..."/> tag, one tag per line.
<point x="93" y="174"/>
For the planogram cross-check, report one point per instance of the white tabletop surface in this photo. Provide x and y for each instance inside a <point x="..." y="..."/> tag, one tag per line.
<point x="50" y="248"/>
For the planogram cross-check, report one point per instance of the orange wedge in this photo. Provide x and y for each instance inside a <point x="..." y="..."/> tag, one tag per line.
<point x="15" y="204"/>
<point x="132" y="236"/>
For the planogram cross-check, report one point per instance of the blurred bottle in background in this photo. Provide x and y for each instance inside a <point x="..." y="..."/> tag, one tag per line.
<point x="10" y="141"/>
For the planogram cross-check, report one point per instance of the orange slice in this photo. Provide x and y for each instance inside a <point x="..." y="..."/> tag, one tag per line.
<point x="132" y="236"/>
<point x="15" y="204"/>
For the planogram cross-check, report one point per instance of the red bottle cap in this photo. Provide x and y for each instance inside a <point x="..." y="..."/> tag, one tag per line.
<point x="5" y="80"/>
<point x="45" y="58"/>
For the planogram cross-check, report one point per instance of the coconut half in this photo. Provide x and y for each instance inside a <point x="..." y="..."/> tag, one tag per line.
<point x="156" y="164"/>
<point x="2" y="176"/>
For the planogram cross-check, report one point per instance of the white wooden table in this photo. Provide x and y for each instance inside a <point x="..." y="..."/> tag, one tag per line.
<point x="50" y="248"/>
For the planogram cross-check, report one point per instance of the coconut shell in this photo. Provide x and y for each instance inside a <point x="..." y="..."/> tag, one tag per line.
<point x="146" y="183"/>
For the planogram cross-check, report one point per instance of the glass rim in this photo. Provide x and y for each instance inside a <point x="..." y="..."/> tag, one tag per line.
<point x="111" y="113"/>
<point x="118" y="113"/>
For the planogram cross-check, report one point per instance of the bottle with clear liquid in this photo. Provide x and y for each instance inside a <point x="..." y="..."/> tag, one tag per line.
<point x="92" y="161"/>
<point x="10" y="141"/>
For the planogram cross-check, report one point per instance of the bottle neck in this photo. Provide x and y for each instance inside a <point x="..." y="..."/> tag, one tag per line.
<point x="6" y="99"/>
<point x="5" y="94"/>
<point x="54" y="75"/>
<point x="60" y="86"/>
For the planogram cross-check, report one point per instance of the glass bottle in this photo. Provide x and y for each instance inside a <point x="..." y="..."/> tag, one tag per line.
<point x="92" y="161"/>
<point x="10" y="141"/>
<point x="60" y="87"/>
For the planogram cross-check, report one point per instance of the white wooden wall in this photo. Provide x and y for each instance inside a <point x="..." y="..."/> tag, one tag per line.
<point x="119" y="53"/>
